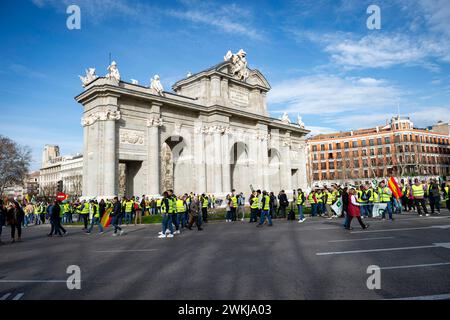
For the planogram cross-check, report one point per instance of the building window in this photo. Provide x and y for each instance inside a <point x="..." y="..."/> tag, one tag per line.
<point x="330" y="155"/>
<point x="379" y="141"/>
<point x="388" y="150"/>
<point x="371" y="142"/>
<point x="322" y="147"/>
<point x="338" y="146"/>
<point x="355" y="144"/>
<point x="364" y="143"/>
<point x="387" y="140"/>
<point x="346" y="145"/>
<point x="314" y="148"/>
<point x="356" y="163"/>
<point x="372" y="152"/>
<point x="330" y="146"/>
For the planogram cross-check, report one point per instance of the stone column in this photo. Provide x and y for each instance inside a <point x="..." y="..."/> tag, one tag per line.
<point x="109" y="159"/>
<point x="153" y="149"/>
<point x="226" y="172"/>
<point x="265" y="161"/>
<point x="217" y="162"/>
<point x="199" y="158"/>
<point x="85" y="190"/>
<point x="286" y="143"/>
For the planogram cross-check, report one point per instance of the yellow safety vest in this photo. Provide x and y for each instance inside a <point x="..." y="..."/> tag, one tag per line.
<point x="300" y="199"/>
<point x="85" y="209"/>
<point x="446" y="195"/>
<point x="254" y="203"/>
<point x="311" y="198"/>
<point x="129" y="206"/>
<point x="158" y="203"/>
<point x="418" y="191"/>
<point x="319" y="197"/>
<point x="376" y="198"/>
<point x="180" y="206"/>
<point x="384" y="195"/>
<point x="267" y="203"/>
<point x="234" y="201"/>
<point x="205" y="202"/>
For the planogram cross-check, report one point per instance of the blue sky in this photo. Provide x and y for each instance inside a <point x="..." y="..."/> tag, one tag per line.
<point x="319" y="57"/>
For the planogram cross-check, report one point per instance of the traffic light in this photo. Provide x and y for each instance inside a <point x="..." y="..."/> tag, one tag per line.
<point x="60" y="186"/>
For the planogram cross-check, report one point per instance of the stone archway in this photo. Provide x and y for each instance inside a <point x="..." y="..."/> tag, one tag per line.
<point x="274" y="170"/>
<point x="175" y="173"/>
<point x="240" y="167"/>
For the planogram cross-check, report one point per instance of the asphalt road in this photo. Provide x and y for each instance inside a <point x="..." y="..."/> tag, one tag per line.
<point x="313" y="260"/>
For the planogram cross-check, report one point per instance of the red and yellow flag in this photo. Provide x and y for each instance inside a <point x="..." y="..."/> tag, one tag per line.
<point x="106" y="219"/>
<point x="396" y="191"/>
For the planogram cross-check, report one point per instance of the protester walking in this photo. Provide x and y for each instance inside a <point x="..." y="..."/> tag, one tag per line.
<point x="354" y="211"/>
<point x="14" y="217"/>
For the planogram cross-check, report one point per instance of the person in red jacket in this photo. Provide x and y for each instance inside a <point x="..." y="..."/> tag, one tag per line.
<point x="353" y="211"/>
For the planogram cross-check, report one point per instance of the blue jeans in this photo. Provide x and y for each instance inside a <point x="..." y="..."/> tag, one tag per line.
<point x="253" y="215"/>
<point x="300" y="212"/>
<point x="128" y="217"/>
<point x="167" y="223"/>
<point x="388" y="209"/>
<point x="115" y="222"/>
<point x="265" y="213"/>
<point x="345" y="220"/>
<point x="97" y="222"/>
<point x="228" y="216"/>
<point x="313" y="209"/>
<point x="176" y="221"/>
<point x="364" y="210"/>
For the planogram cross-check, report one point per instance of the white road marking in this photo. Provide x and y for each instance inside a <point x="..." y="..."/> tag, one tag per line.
<point x="116" y="251"/>
<point x="400" y="229"/>
<point x="433" y="297"/>
<point x="372" y="250"/>
<point x="35" y="281"/>
<point x="362" y="239"/>
<point x="417" y="266"/>
<point x="4" y="297"/>
<point x="18" y="296"/>
<point x="434" y="245"/>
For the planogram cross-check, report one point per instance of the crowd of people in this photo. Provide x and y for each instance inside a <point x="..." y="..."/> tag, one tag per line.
<point x="188" y="210"/>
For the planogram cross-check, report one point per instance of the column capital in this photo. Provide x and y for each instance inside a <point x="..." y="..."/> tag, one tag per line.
<point x="155" y="122"/>
<point x="90" y="119"/>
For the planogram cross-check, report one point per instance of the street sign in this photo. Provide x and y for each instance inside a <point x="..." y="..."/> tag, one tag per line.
<point x="61" y="196"/>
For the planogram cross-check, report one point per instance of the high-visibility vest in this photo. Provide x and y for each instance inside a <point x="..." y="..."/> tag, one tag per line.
<point x="85" y="208"/>
<point x="129" y="206"/>
<point x="180" y="206"/>
<point x="319" y="197"/>
<point x="446" y="195"/>
<point x="37" y="210"/>
<point x="234" y="201"/>
<point x="66" y="208"/>
<point x="311" y="198"/>
<point x="254" y="203"/>
<point x="174" y="204"/>
<point x="384" y="194"/>
<point x="267" y="203"/>
<point x="170" y="210"/>
<point x="418" y="191"/>
<point x="371" y="195"/>
<point x="158" y="203"/>
<point x="329" y="198"/>
<point x="95" y="210"/>
<point x="61" y="211"/>
<point x="376" y="198"/>
<point x="300" y="200"/>
<point x="205" y="202"/>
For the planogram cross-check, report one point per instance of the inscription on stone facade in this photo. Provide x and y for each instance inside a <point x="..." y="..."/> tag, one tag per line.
<point x="239" y="96"/>
<point x="134" y="137"/>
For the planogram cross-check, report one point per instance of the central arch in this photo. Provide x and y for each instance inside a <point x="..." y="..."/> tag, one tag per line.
<point x="240" y="166"/>
<point x="174" y="159"/>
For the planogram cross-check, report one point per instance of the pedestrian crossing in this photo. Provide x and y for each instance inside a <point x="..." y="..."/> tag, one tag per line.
<point x="11" y="296"/>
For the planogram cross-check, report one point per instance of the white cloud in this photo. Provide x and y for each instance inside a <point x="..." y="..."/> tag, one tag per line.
<point x="328" y="94"/>
<point x="315" y="130"/>
<point x="231" y="19"/>
<point x="427" y="116"/>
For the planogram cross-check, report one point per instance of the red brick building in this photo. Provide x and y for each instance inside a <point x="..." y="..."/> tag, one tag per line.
<point x="394" y="149"/>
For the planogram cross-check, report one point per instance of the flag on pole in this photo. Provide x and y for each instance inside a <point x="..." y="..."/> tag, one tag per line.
<point x="106" y="219"/>
<point x="396" y="191"/>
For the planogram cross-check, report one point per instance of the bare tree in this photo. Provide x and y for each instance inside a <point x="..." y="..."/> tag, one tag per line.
<point x="14" y="163"/>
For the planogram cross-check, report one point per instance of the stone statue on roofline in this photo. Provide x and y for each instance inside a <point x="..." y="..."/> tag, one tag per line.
<point x="113" y="72"/>
<point x="90" y="76"/>
<point x="156" y="86"/>
<point x="300" y="122"/>
<point x="285" y="118"/>
<point x="239" y="64"/>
